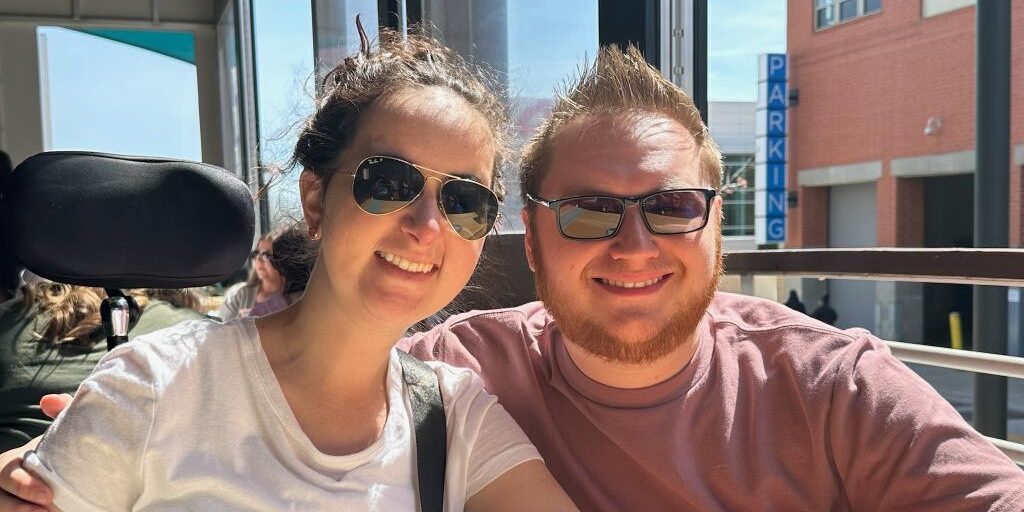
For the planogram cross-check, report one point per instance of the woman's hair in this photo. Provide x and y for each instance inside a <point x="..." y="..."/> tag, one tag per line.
<point x="399" y="63"/>
<point x="292" y="255"/>
<point x="74" y="311"/>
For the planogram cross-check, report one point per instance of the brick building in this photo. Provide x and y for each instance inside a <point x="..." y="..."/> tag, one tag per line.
<point x="881" y="145"/>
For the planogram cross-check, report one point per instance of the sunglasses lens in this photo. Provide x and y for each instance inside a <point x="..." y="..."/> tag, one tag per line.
<point x="470" y="207"/>
<point x="676" y="211"/>
<point x="590" y="217"/>
<point x="383" y="185"/>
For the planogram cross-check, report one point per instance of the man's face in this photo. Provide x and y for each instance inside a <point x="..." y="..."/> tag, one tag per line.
<point x="600" y="291"/>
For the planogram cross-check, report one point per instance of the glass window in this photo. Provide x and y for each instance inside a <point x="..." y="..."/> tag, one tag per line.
<point x="872" y="6"/>
<point x="533" y="50"/>
<point x="283" y="46"/>
<point x="732" y="95"/>
<point x="847" y="9"/>
<point x="823" y="16"/>
<point x="119" y="91"/>
<point x="738" y="195"/>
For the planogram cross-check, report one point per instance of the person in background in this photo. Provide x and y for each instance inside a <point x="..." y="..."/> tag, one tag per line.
<point x="825" y="312"/>
<point x="51" y="338"/>
<point x="793" y="302"/>
<point x="281" y="265"/>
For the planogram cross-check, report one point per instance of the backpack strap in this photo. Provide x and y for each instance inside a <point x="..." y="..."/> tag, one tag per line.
<point x="430" y="428"/>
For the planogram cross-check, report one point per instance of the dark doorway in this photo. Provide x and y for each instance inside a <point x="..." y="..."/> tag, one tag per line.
<point x="948" y="222"/>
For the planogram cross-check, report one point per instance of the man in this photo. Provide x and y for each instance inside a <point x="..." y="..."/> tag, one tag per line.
<point x="646" y="390"/>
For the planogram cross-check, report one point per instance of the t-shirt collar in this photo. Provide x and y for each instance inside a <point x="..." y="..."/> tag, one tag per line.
<point x="651" y="396"/>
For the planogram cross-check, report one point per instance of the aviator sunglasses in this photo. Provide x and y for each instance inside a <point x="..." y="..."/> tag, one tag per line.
<point x="666" y="212"/>
<point x="384" y="184"/>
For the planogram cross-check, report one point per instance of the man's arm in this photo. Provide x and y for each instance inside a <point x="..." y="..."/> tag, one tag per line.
<point x="23" y="491"/>
<point x="898" y="444"/>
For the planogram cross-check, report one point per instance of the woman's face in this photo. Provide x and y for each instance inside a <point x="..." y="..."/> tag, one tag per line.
<point x="429" y="127"/>
<point x="261" y="263"/>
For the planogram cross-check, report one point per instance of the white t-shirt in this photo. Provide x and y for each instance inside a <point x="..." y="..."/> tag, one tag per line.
<point x="192" y="418"/>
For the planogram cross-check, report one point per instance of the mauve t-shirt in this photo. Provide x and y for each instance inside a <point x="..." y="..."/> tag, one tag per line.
<point x="776" y="411"/>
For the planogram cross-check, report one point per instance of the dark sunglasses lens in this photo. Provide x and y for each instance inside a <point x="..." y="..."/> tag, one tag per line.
<point x="590" y="217"/>
<point x="383" y="185"/>
<point x="470" y="207"/>
<point x="676" y="211"/>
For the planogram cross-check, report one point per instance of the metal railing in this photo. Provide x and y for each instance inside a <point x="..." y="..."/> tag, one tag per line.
<point x="996" y="267"/>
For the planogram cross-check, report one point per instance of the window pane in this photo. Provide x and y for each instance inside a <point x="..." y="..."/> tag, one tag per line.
<point x="872" y="5"/>
<point x="283" y="44"/>
<point x="847" y="9"/>
<point x="137" y="97"/>
<point x="532" y="49"/>
<point x="824" y="17"/>
<point x="732" y="106"/>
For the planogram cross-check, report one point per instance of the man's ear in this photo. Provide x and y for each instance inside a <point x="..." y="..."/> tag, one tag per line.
<point x="528" y="238"/>
<point x="311" y="193"/>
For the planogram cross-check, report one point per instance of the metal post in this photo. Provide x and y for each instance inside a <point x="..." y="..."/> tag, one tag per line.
<point x="991" y="202"/>
<point x="700" y="57"/>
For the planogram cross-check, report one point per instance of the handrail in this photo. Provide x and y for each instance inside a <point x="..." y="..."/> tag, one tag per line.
<point x="993" y="364"/>
<point x="997" y="267"/>
<point x="981" y="362"/>
<point x="992" y="267"/>
<point x="1015" y="451"/>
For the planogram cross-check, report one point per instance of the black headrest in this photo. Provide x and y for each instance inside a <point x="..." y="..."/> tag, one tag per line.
<point x="114" y="221"/>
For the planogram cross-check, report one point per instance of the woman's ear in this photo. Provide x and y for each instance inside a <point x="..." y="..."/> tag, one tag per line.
<point x="311" y="192"/>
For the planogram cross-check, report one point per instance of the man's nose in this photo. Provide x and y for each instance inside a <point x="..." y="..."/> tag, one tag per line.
<point x="633" y="241"/>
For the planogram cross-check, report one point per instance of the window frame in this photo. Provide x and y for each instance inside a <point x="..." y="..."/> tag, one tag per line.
<point x="835" y="18"/>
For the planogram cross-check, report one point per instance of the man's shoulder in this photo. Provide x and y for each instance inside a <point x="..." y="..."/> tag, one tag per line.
<point x="477" y="334"/>
<point x="745" y="323"/>
<point x="530" y="317"/>
<point x="756" y="315"/>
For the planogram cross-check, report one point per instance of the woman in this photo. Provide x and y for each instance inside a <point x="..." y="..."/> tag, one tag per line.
<point x="280" y="269"/>
<point x="51" y="338"/>
<point x="305" y="409"/>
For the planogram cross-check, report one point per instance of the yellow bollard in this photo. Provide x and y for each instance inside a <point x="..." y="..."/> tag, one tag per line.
<point x="956" y="335"/>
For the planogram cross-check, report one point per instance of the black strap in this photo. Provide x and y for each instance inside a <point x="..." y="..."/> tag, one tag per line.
<point x="431" y="431"/>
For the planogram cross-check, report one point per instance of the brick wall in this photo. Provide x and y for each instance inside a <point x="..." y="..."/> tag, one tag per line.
<point x="866" y="90"/>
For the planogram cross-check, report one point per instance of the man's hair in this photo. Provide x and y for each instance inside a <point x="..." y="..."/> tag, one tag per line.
<point x="618" y="82"/>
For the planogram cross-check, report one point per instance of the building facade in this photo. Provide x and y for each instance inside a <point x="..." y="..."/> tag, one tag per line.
<point x="881" y="147"/>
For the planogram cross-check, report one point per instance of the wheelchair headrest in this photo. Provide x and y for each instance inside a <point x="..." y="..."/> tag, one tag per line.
<point x="116" y="221"/>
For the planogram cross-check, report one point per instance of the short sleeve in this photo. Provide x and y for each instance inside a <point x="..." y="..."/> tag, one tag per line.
<point x="232" y="305"/>
<point x="897" y="442"/>
<point x="484" y="441"/>
<point x="92" y="455"/>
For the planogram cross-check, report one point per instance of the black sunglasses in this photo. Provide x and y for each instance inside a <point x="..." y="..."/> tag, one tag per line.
<point x="262" y="254"/>
<point x="666" y="212"/>
<point x="384" y="184"/>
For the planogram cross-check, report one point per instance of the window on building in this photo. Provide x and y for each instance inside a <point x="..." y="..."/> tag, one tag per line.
<point x="738" y="195"/>
<point x="830" y="12"/>
<point x="823" y="13"/>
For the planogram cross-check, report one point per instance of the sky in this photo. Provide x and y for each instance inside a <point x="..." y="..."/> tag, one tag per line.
<point x="739" y="31"/>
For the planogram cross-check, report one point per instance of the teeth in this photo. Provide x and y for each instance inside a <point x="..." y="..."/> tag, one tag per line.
<point x="404" y="264"/>
<point x="631" y="284"/>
